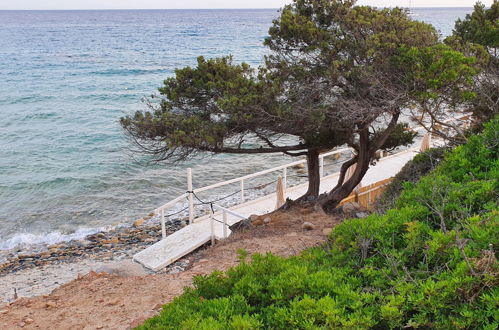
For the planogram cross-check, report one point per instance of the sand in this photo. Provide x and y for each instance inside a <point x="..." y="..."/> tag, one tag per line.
<point x="107" y="301"/>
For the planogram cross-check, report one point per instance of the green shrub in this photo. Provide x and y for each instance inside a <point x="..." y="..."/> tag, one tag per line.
<point x="429" y="262"/>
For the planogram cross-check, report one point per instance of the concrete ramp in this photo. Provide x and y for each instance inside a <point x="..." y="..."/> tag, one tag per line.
<point x="182" y="242"/>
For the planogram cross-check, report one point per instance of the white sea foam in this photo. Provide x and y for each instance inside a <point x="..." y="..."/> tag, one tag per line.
<point x="27" y="239"/>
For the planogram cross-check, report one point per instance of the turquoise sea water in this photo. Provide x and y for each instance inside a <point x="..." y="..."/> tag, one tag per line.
<point x="65" y="79"/>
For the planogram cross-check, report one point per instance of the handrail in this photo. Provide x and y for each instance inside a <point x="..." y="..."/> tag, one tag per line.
<point x="225" y="211"/>
<point x="270" y="170"/>
<point x="190" y="191"/>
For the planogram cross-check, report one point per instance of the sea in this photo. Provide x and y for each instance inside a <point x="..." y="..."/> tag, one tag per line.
<point x="66" y="78"/>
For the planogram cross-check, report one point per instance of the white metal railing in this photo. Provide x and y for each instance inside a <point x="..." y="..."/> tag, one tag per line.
<point x="191" y="191"/>
<point x="241" y="180"/>
<point x="225" y="211"/>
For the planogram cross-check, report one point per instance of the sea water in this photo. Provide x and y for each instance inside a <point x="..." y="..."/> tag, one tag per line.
<point x="66" y="77"/>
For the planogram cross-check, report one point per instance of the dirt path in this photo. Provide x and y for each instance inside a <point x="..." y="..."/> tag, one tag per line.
<point x="103" y="301"/>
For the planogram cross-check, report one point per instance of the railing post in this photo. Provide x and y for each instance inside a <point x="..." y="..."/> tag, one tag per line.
<point x="212" y="225"/>
<point x="284" y="178"/>
<point x="191" y="200"/>
<point x="163" y="227"/>
<point x="321" y="166"/>
<point x="242" y="191"/>
<point x="225" y="223"/>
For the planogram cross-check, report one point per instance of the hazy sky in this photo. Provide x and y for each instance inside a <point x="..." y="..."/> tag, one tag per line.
<point x="157" y="4"/>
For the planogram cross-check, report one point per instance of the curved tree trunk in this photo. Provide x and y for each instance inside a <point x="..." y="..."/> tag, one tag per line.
<point x="343" y="189"/>
<point x="366" y="150"/>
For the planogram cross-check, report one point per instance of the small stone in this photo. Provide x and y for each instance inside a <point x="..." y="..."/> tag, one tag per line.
<point x="292" y="234"/>
<point x="50" y="304"/>
<point x="253" y="217"/>
<point x="351" y="207"/>
<point x="299" y="166"/>
<point x="114" y="302"/>
<point x="361" y="215"/>
<point x="301" y="171"/>
<point x="327" y="231"/>
<point x="308" y="226"/>
<point x="28" y="320"/>
<point x="202" y="261"/>
<point x="267" y="220"/>
<point x="138" y="223"/>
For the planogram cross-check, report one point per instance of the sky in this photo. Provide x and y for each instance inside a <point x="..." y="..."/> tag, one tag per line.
<point x="187" y="4"/>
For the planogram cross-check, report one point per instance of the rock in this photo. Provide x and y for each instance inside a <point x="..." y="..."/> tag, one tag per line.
<point x="267" y="220"/>
<point x="299" y="166"/>
<point x="113" y="302"/>
<point x="308" y="226"/>
<point x="292" y="234"/>
<point x="253" y="217"/>
<point x="301" y="171"/>
<point x="50" y="304"/>
<point x="202" y="261"/>
<point x="125" y="268"/>
<point x="4" y="311"/>
<point x="361" y="215"/>
<point x="351" y="207"/>
<point x="327" y="231"/>
<point x="138" y="223"/>
<point x="28" y="320"/>
<point x="238" y="226"/>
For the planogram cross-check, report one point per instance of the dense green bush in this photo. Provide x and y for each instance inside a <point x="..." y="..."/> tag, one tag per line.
<point x="430" y="262"/>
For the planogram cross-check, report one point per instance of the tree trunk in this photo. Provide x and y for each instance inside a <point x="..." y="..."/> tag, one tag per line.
<point x="343" y="189"/>
<point x="314" y="177"/>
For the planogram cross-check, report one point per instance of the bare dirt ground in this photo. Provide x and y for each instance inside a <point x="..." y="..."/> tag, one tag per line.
<point x="104" y="301"/>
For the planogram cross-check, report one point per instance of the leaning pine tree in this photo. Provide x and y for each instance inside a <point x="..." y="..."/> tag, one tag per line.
<point x="333" y="77"/>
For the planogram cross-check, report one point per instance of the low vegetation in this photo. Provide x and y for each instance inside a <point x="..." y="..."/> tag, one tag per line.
<point x="429" y="262"/>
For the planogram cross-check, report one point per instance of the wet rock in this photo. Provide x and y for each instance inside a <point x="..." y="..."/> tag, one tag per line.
<point x="308" y="226"/>
<point x="138" y="223"/>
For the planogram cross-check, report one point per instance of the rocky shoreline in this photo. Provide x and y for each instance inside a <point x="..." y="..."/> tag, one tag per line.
<point x="115" y="244"/>
<point x="33" y="273"/>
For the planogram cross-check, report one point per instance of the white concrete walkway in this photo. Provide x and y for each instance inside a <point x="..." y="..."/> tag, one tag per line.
<point x="189" y="238"/>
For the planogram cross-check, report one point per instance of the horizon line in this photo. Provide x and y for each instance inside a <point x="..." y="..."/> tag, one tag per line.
<point x="236" y="8"/>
